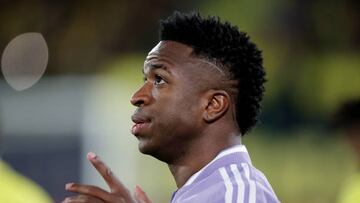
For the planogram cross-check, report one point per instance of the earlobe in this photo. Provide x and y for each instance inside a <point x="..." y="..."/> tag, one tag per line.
<point x="217" y="105"/>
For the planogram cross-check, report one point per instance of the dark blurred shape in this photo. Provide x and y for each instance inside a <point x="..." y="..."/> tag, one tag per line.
<point x="45" y="160"/>
<point x="16" y="187"/>
<point x="321" y="25"/>
<point x="348" y="115"/>
<point x="347" y="119"/>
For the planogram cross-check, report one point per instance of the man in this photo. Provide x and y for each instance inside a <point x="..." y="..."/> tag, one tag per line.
<point x="347" y="118"/>
<point x="202" y="92"/>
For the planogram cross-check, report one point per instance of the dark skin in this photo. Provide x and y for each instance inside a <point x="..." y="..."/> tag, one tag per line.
<point x="184" y="117"/>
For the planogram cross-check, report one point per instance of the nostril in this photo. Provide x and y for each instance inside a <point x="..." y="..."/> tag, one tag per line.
<point x="138" y="103"/>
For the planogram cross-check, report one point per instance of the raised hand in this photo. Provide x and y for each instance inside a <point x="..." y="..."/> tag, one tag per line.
<point x="93" y="194"/>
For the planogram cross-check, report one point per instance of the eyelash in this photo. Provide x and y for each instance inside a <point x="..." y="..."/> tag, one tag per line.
<point x="156" y="78"/>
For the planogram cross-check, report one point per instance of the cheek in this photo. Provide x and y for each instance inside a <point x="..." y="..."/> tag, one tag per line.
<point x="180" y="112"/>
<point x="176" y="106"/>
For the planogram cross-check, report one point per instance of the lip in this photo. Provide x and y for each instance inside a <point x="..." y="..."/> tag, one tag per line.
<point x="141" y="122"/>
<point x="137" y="118"/>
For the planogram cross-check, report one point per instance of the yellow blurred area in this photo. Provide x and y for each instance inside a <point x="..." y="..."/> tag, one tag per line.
<point x="16" y="188"/>
<point x="351" y="191"/>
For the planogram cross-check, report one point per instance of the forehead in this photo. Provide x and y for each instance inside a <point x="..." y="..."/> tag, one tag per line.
<point x="179" y="57"/>
<point x="171" y="52"/>
<point x="180" y="62"/>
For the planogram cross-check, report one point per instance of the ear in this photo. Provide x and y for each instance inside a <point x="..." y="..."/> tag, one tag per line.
<point x="217" y="104"/>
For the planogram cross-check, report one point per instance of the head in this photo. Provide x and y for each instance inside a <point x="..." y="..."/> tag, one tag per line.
<point x="347" y="118"/>
<point x="203" y="75"/>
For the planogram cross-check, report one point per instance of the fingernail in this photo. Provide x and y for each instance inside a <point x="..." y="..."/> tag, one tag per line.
<point x="91" y="155"/>
<point x="68" y="185"/>
<point x="138" y="189"/>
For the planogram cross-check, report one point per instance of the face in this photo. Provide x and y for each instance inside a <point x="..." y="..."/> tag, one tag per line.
<point x="168" y="114"/>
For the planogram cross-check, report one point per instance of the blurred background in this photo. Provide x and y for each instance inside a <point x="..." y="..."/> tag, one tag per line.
<point x="96" y="52"/>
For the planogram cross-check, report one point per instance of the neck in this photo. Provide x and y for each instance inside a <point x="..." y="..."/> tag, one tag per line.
<point x="199" y="153"/>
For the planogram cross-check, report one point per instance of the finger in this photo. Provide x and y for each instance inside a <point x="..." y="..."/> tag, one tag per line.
<point x="141" y="196"/>
<point x="82" y="199"/>
<point x="110" y="179"/>
<point x="89" y="190"/>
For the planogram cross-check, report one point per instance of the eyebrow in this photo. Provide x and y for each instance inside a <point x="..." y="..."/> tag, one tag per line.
<point x="154" y="66"/>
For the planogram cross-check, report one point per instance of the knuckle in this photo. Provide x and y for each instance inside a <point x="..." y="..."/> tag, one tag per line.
<point x="87" y="190"/>
<point x="84" y="198"/>
<point x="74" y="186"/>
<point x="109" y="172"/>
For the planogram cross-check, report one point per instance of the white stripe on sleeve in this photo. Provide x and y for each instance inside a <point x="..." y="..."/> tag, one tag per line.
<point x="228" y="185"/>
<point x="239" y="182"/>
<point x="252" y="186"/>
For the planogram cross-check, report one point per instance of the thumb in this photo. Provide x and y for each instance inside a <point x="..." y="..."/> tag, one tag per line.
<point x="141" y="196"/>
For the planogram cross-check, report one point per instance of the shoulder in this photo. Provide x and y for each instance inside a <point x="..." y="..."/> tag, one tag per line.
<point x="238" y="183"/>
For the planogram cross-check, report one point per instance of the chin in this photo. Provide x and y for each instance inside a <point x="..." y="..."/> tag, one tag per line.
<point x="146" y="148"/>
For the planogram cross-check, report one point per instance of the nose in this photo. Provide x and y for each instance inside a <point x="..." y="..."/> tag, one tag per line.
<point x="142" y="96"/>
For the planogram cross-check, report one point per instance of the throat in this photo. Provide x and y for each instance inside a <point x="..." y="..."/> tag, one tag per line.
<point x="182" y="173"/>
<point x="186" y="167"/>
<point x="197" y="155"/>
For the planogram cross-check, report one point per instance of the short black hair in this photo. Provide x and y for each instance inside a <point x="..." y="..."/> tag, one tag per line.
<point x="224" y="44"/>
<point x="347" y="115"/>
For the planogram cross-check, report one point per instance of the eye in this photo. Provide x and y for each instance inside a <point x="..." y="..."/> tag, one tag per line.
<point x="158" y="80"/>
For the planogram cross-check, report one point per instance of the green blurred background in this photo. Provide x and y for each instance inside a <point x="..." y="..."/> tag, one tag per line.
<point x="96" y="50"/>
